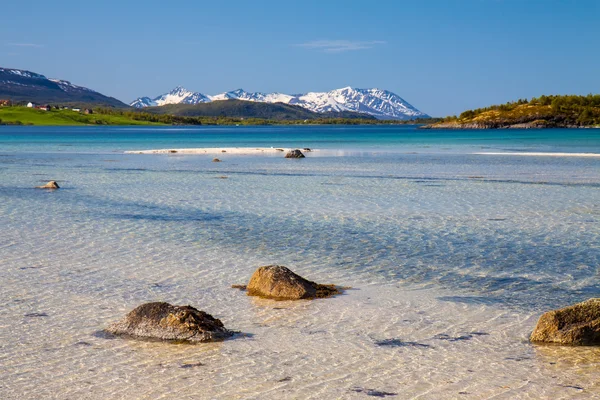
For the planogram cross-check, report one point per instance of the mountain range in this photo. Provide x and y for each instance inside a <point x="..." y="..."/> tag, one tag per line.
<point x="24" y="86"/>
<point x="379" y="103"/>
<point x="234" y="108"/>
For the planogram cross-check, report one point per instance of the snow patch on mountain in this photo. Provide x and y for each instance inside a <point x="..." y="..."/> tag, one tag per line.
<point x="380" y="103"/>
<point x="142" y="102"/>
<point x="23" y="73"/>
<point x="241" y="94"/>
<point x="68" y="86"/>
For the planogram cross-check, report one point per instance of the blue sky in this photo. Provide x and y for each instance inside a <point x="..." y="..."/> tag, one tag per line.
<point x="441" y="56"/>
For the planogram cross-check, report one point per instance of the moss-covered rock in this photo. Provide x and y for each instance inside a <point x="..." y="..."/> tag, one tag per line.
<point x="280" y="283"/>
<point x="164" y="321"/>
<point x="578" y="324"/>
<point x="294" y="154"/>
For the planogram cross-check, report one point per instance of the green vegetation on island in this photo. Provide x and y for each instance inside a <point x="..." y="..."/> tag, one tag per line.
<point x="542" y="112"/>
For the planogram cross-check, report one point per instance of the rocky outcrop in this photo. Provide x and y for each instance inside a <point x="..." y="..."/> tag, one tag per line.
<point x="574" y="325"/>
<point x="294" y="154"/>
<point x="49" y="185"/>
<point x="280" y="283"/>
<point x="164" y="321"/>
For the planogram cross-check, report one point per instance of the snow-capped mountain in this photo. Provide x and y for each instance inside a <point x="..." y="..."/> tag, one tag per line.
<point x="179" y="95"/>
<point x="380" y="103"/>
<point x="25" y="86"/>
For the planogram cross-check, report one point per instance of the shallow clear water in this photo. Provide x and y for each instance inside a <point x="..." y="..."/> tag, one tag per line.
<point x="452" y="257"/>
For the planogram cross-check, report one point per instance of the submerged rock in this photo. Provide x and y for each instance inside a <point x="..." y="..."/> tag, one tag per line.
<point x="578" y="324"/>
<point x="294" y="154"/>
<point x="280" y="283"/>
<point x="168" y="322"/>
<point x="49" y="185"/>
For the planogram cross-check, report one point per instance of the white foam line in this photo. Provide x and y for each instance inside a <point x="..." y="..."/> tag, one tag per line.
<point x="539" y="154"/>
<point x="216" y="150"/>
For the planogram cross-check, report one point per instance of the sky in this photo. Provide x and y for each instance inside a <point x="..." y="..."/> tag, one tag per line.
<point x="443" y="56"/>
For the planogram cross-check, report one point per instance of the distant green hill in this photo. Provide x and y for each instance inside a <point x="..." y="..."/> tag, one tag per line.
<point x="250" y="109"/>
<point x="542" y="112"/>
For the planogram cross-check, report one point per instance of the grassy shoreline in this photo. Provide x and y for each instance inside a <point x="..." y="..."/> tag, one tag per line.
<point x="32" y="116"/>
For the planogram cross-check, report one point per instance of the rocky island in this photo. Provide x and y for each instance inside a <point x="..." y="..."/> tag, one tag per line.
<point x="537" y="113"/>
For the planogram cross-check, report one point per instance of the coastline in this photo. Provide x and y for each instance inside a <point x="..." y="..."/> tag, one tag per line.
<point x="503" y="125"/>
<point x="451" y="258"/>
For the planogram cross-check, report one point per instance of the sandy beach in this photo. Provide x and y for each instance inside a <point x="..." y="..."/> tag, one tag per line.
<point x="220" y="150"/>
<point x="538" y="154"/>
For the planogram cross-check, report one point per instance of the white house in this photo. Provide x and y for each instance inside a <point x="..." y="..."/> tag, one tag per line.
<point x="30" y="105"/>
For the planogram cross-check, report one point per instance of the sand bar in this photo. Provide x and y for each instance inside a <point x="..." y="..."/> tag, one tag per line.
<point x="540" y="154"/>
<point x="219" y="150"/>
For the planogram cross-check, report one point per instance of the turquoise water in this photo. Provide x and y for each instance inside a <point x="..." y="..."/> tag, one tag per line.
<point x="361" y="138"/>
<point x="435" y="240"/>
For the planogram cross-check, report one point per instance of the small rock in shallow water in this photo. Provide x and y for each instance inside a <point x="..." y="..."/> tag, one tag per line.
<point x="400" y="343"/>
<point x="443" y="336"/>
<point x="49" y="185"/>
<point x="194" y="365"/>
<point x="373" y="392"/>
<point x="216" y="160"/>
<point x="578" y="324"/>
<point x="280" y="283"/>
<point x="294" y="154"/>
<point x="164" y="321"/>
<point x="36" y="315"/>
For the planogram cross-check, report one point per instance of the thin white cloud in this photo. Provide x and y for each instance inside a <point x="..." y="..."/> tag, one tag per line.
<point x="340" y="46"/>
<point x="24" y="45"/>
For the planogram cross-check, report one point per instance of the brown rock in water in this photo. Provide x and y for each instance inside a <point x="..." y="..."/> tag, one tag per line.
<point x="278" y="282"/>
<point x="168" y="322"/>
<point x="578" y="324"/>
<point x="49" y="185"/>
<point x="216" y="160"/>
<point x="294" y="154"/>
